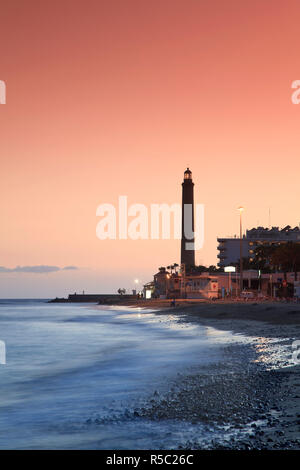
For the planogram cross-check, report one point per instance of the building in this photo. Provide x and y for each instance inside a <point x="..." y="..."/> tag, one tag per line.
<point x="166" y="285"/>
<point x="149" y="290"/>
<point x="229" y="248"/>
<point x="229" y="251"/>
<point x="196" y="286"/>
<point x="187" y="220"/>
<point x="259" y="284"/>
<point x="160" y="281"/>
<point x="201" y="286"/>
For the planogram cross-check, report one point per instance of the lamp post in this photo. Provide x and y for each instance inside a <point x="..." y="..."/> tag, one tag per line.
<point x="241" y="249"/>
<point x="137" y="282"/>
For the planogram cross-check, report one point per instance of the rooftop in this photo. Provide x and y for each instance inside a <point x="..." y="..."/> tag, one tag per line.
<point x="264" y="232"/>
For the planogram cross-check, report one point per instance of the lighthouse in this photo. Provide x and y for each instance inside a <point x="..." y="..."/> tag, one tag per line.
<point x="187" y="220"/>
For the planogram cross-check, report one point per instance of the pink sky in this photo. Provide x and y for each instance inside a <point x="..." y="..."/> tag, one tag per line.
<point x="109" y="98"/>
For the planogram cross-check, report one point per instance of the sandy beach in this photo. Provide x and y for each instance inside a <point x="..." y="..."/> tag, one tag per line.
<point x="258" y="404"/>
<point x="285" y="313"/>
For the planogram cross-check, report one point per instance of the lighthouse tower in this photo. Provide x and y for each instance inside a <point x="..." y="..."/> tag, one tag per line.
<point x="187" y="237"/>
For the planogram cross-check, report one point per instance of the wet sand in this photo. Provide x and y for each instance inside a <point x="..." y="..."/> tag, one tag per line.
<point x="259" y="407"/>
<point x="280" y="313"/>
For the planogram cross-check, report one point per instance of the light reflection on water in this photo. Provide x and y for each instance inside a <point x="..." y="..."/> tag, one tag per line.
<point x="67" y="363"/>
<point x="273" y="352"/>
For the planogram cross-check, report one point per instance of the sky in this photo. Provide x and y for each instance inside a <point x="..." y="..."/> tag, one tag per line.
<point x="118" y="97"/>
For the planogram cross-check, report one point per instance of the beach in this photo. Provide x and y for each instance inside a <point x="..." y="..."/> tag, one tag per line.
<point x="82" y="376"/>
<point x="146" y="376"/>
<point x="261" y="399"/>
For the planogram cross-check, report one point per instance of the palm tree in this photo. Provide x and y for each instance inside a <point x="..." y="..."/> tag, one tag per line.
<point x="169" y="268"/>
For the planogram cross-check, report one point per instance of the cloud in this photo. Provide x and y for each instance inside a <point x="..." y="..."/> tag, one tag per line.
<point x="41" y="269"/>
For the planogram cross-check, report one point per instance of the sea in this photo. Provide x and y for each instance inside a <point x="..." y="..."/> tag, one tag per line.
<point x="74" y="374"/>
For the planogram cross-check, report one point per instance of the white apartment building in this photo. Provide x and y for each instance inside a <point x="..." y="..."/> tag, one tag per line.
<point x="229" y="247"/>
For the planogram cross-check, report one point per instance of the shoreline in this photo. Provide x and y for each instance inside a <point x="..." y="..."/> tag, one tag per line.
<point x="260" y="407"/>
<point x="283" y="313"/>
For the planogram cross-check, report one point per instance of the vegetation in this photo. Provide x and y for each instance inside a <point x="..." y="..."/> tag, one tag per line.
<point x="172" y="267"/>
<point x="286" y="258"/>
<point x="121" y="291"/>
<point x="283" y="258"/>
<point x="192" y="269"/>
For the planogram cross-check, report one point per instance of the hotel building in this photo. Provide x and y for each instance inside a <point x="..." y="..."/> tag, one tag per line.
<point x="229" y="248"/>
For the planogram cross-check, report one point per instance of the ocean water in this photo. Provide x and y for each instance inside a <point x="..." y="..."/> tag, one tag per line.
<point x="75" y="373"/>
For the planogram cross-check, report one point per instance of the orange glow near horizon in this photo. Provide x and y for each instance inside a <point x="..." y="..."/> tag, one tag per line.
<point x="113" y="98"/>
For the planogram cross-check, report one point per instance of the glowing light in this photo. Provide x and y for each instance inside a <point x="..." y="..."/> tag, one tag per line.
<point x="229" y="269"/>
<point x="148" y="294"/>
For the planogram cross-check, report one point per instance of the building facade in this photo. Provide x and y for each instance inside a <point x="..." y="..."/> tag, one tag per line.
<point x="229" y="248"/>
<point x="166" y="285"/>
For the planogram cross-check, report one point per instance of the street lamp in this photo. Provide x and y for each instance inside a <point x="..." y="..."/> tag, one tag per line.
<point x="240" y="209"/>
<point x="137" y="284"/>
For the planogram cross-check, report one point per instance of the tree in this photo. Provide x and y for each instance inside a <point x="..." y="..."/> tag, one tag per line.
<point x="197" y="269"/>
<point x="263" y="255"/>
<point x="121" y="291"/>
<point x="286" y="257"/>
<point x="261" y="259"/>
<point x="175" y="265"/>
<point x="247" y="264"/>
<point x="213" y="269"/>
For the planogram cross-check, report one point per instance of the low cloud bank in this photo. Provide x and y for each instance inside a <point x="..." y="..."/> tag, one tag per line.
<point x="35" y="269"/>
